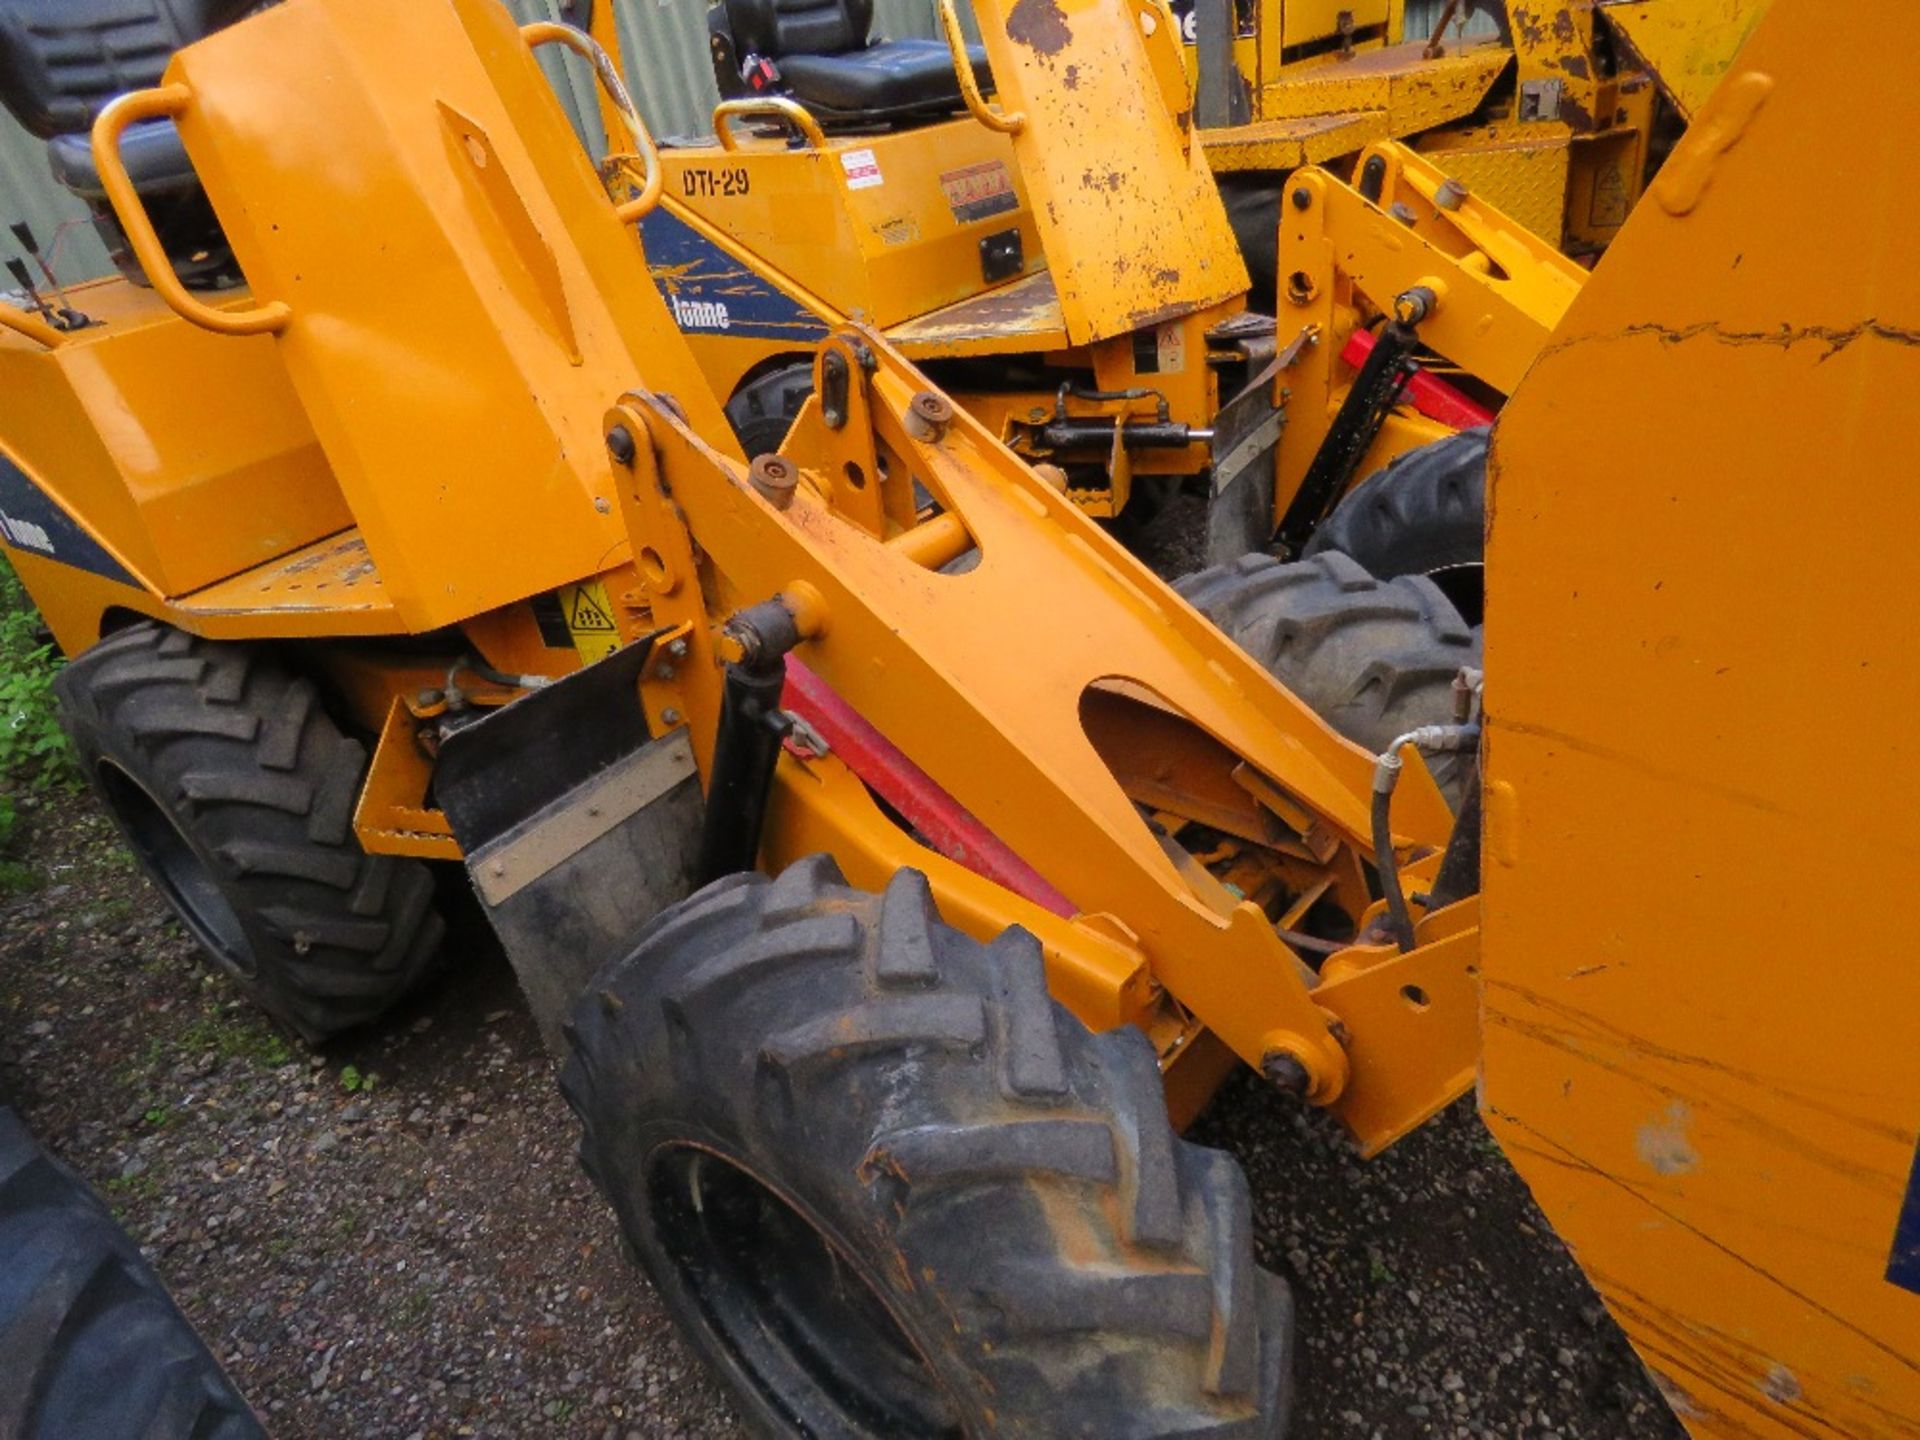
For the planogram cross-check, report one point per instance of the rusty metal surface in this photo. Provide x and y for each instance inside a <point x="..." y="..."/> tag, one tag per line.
<point x="333" y="580"/>
<point x="1085" y="71"/>
<point x="1291" y="141"/>
<point x="1022" y="317"/>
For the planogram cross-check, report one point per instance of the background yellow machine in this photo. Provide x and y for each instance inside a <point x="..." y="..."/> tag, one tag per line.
<point x="1549" y="110"/>
<point x="1062" y="264"/>
<point x="885" y="1182"/>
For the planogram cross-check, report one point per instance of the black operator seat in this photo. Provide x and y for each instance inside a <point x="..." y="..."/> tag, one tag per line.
<point x="824" y="60"/>
<point x="61" y="61"/>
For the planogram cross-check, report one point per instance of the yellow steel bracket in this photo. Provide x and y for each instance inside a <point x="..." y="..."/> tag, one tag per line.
<point x="1005" y="123"/>
<point x="776" y="107"/>
<point x="548" y="32"/>
<point x="924" y="656"/>
<point x="1503" y="288"/>
<point x="164" y="103"/>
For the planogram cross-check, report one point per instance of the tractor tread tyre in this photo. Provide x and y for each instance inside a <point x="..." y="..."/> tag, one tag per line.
<point x="1424" y="513"/>
<point x="90" y="1342"/>
<point x="242" y="761"/>
<point x="1006" y="1181"/>
<point x="762" y="409"/>
<point x="1373" y="658"/>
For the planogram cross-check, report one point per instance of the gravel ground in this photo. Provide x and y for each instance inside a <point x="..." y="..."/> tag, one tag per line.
<point x="390" y="1238"/>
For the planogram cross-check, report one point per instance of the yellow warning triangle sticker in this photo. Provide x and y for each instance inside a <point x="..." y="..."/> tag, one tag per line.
<point x="586" y="613"/>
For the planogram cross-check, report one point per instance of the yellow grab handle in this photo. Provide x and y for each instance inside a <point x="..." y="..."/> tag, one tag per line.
<point x="31" y="326"/>
<point x="1005" y="123"/>
<point x="777" y="106"/>
<point x="164" y="103"/>
<point x="549" y="32"/>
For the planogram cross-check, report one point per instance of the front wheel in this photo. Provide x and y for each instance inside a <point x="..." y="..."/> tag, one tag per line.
<point x="890" y="1188"/>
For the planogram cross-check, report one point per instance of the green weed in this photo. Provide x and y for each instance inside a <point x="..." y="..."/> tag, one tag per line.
<point x="231" y="1037"/>
<point x="33" y="748"/>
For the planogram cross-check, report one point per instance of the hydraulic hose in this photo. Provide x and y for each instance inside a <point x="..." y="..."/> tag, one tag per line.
<point x="1387" y="765"/>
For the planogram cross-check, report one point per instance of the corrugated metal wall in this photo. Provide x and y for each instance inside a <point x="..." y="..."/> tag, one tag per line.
<point x="27" y="192"/>
<point x="665" y="44"/>
<point x="1421" y="15"/>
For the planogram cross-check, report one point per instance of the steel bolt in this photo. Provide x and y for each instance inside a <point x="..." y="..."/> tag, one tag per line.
<point x="928" y="417"/>
<point x="670" y="716"/>
<point x="1285" y="1072"/>
<point x="1303" y="199"/>
<point x="677" y="649"/>
<point x="620" y="445"/>
<point x="774" y="478"/>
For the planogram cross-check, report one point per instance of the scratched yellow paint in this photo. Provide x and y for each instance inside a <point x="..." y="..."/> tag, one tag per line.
<point x="1700" y="986"/>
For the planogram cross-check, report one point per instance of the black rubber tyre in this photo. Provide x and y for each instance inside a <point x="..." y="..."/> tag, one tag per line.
<point x="90" y="1343"/>
<point x="762" y="408"/>
<point x="236" y="792"/>
<point x="1373" y="658"/>
<point x="1424" y="514"/>
<point x="891" y="1189"/>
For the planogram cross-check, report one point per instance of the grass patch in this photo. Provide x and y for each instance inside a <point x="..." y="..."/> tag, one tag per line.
<point x="133" y="1187"/>
<point x="230" y="1036"/>
<point x="33" y="749"/>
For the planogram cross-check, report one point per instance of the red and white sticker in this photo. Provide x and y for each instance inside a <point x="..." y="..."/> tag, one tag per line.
<point x="863" y="170"/>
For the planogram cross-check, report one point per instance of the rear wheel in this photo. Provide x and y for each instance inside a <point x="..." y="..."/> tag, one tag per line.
<point x="1424" y="514"/>
<point x="1373" y="658"/>
<point x="763" y="408"/>
<point x="91" y="1343"/>
<point x="235" y="791"/>
<point x="890" y="1188"/>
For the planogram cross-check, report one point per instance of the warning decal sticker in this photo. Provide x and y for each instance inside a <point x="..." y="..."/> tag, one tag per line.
<point x="589" y="620"/>
<point x="863" y="169"/>
<point x="976" y="192"/>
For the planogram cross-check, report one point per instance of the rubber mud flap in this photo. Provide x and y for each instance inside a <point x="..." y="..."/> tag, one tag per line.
<point x="554" y="796"/>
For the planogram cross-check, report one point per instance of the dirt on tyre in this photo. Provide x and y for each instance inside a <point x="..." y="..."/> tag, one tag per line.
<point x="889" y="1188"/>
<point x="1424" y="514"/>
<point x="90" y="1342"/>
<point x="1373" y="658"/>
<point x="236" y="791"/>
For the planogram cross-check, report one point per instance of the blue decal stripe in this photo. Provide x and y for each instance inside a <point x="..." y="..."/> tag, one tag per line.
<point x="708" y="292"/>
<point x="34" y="524"/>
<point x="1903" y="1266"/>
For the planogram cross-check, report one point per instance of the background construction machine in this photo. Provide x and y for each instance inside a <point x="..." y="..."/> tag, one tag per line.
<point x="892" y="1131"/>
<point x="1549" y="110"/>
<point x="1064" y="267"/>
